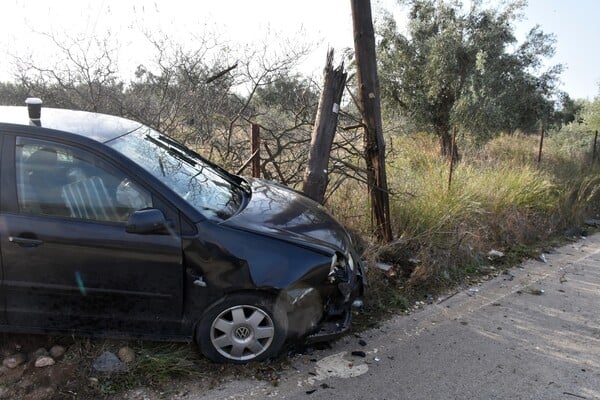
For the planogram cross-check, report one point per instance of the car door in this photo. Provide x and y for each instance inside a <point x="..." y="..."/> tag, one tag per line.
<point x="68" y="261"/>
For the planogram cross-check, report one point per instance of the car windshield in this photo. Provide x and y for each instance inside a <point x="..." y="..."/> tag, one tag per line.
<point x="212" y="191"/>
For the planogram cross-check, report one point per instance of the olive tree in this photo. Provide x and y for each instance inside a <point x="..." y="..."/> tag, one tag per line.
<point x="465" y="69"/>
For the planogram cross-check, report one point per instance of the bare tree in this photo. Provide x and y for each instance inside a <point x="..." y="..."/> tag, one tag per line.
<point x="203" y="92"/>
<point x="83" y="75"/>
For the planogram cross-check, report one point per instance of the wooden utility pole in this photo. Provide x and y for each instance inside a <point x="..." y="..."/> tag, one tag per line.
<point x="370" y="104"/>
<point x="316" y="177"/>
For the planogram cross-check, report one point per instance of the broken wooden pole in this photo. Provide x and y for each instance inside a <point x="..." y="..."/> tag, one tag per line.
<point x="316" y="175"/>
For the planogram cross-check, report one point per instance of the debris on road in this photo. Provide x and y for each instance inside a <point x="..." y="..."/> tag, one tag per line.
<point x="494" y="255"/>
<point x="510" y="276"/>
<point x="337" y="366"/>
<point x="562" y="278"/>
<point x="534" y="291"/>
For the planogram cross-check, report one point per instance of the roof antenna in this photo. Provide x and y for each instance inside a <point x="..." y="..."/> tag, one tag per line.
<point x="34" y="107"/>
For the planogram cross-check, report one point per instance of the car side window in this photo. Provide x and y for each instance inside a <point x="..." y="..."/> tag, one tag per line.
<point x="59" y="180"/>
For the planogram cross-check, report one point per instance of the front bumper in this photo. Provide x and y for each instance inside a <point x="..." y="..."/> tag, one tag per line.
<point x="336" y="314"/>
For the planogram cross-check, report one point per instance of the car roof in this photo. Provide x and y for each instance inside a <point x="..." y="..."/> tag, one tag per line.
<point x="99" y="127"/>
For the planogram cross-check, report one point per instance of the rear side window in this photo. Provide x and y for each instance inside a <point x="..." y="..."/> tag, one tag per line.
<point x="64" y="181"/>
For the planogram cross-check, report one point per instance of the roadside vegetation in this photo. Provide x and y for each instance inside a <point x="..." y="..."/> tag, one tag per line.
<point x="500" y="196"/>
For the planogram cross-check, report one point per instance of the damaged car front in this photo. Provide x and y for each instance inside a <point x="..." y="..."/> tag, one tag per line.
<point x="320" y="298"/>
<point x="322" y="308"/>
<point x="263" y="263"/>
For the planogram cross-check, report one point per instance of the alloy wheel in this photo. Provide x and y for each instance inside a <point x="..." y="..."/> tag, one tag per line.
<point x="242" y="332"/>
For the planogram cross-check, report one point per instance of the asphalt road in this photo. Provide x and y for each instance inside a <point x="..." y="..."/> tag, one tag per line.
<point x="533" y="333"/>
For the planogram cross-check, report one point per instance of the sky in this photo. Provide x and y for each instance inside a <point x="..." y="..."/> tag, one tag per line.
<point x="318" y="23"/>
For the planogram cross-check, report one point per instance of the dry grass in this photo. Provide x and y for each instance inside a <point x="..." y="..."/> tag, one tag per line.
<point x="500" y="198"/>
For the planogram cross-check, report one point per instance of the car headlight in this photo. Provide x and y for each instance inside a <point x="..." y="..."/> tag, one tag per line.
<point x="351" y="262"/>
<point x="341" y="268"/>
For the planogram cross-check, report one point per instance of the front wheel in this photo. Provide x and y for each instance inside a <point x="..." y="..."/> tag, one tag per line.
<point x="242" y="328"/>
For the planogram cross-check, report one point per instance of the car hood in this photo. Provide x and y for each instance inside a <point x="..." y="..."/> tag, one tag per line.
<point x="278" y="211"/>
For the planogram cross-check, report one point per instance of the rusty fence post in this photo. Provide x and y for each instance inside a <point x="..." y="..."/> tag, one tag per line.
<point x="594" y="148"/>
<point x="255" y="149"/>
<point x="539" y="160"/>
<point x="452" y="158"/>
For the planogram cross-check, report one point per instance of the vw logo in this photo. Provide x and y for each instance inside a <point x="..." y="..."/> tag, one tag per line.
<point x="242" y="332"/>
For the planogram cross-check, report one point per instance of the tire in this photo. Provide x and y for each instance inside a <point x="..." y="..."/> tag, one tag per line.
<point x="242" y="328"/>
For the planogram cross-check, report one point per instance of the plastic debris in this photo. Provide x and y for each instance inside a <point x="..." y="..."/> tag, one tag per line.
<point x="388" y="269"/>
<point x="542" y="258"/>
<point x="384" y="267"/>
<point x="495" y="254"/>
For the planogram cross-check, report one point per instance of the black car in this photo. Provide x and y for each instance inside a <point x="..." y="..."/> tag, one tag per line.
<point x="111" y="228"/>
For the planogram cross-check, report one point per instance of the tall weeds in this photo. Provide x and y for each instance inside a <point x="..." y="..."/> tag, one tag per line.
<point x="500" y="198"/>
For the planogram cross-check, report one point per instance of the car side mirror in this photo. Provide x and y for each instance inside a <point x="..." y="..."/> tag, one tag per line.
<point x="146" y="221"/>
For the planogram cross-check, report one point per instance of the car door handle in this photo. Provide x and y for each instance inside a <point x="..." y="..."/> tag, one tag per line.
<point x="25" y="242"/>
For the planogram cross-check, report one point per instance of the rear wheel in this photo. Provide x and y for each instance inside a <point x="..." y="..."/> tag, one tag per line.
<point x="242" y="328"/>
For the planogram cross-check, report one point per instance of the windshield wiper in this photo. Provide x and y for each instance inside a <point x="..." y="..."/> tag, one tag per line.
<point x="177" y="145"/>
<point x="173" y="150"/>
<point x="164" y="140"/>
